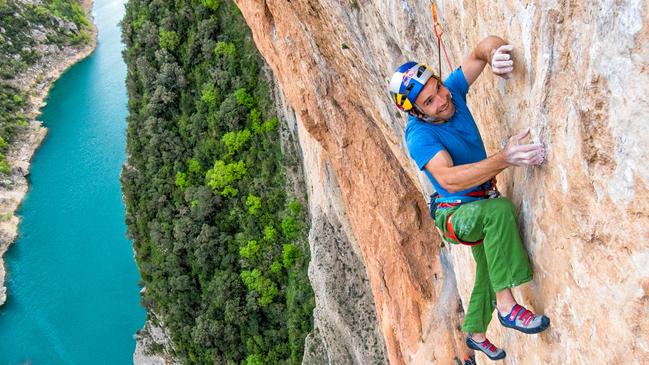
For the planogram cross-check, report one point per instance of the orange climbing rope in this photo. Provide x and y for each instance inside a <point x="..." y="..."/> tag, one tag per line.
<point x="439" y="31"/>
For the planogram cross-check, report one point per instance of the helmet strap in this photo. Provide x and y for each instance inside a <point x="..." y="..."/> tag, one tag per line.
<point x="423" y="116"/>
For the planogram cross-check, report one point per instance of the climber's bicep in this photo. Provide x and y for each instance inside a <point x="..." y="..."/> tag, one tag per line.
<point x="440" y="166"/>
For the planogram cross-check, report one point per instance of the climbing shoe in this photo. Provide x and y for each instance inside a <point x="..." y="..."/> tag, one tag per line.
<point x="523" y="320"/>
<point x="492" y="352"/>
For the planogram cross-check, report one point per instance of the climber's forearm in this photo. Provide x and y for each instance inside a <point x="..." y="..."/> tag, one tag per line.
<point x="485" y="50"/>
<point x="462" y="177"/>
<point x="475" y="62"/>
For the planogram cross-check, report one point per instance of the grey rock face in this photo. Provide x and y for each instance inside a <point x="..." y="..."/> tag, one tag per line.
<point x="345" y="316"/>
<point x="345" y="324"/>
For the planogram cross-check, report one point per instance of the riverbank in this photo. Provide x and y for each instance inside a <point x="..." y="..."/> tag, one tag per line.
<point x="37" y="81"/>
<point x="153" y="344"/>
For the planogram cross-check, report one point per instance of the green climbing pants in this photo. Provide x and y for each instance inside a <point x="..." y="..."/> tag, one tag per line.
<point x="501" y="260"/>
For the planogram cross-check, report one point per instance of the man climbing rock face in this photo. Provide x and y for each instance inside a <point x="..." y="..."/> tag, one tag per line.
<point x="445" y="143"/>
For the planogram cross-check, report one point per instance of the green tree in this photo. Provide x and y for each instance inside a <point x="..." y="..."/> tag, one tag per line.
<point x="245" y="99"/>
<point x="194" y="166"/>
<point x="253" y="203"/>
<point x="254" y="360"/>
<point x="276" y="267"/>
<point x="295" y="207"/>
<point x="181" y="180"/>
<point x="209" y="95"/>
<point x="222" y="175"/>
<point x="234" y="141"/>
<point x="270" y="125"/>
<point x="225" y="49"/>
<point x="290" y="228"/>
<point x="270" y="234"/>
<point x="4" y="166"/>
<point x="257" y="282"/>
<point x="169" y="39"/>
<point x="212" y="4"/>
<point x="250" y="250"/>
<point x="290" y="253"/>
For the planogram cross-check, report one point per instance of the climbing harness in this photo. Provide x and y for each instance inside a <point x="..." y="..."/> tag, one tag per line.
<point x="439" y="31"/>
<point x="488" y="190"/>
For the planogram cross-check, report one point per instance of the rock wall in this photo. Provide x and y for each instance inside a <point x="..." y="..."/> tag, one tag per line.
<point x="580" y="83"/>
<point x="345" y="323"/>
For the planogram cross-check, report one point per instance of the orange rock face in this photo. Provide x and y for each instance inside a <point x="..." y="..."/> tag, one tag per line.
<point x="580" y="83"/>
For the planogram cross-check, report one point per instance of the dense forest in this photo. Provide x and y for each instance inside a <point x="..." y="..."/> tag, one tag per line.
<point x="220" y="243"/>
<point x="28" y="32"/>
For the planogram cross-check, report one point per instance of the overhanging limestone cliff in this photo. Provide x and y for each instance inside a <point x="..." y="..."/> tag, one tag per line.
<point x="582" y="70"/>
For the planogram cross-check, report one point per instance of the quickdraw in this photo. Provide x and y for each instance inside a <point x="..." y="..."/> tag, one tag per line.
<point x="439" y="31"/>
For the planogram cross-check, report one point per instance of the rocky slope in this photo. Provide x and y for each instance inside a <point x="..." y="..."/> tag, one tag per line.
<point x="153" y="345"/>
<point x="580" y="84"/>
<point x="52" y="56"/>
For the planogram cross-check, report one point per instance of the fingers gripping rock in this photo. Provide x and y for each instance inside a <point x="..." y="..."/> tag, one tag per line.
<point x="502" y="63"/>
<point x="518" y="154"/>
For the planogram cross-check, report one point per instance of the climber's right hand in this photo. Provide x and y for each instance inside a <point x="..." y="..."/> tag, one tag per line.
<point x="501" y="61"/>
<point x="517" y="154"/>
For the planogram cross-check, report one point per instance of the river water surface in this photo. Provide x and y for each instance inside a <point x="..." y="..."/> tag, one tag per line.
<point x="73" y="295"/>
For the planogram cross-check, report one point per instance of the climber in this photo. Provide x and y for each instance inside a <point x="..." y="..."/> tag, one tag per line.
<point x="445" y="143"/>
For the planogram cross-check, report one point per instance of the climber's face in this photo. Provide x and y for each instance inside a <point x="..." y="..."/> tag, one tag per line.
<point x="435" y="100"/>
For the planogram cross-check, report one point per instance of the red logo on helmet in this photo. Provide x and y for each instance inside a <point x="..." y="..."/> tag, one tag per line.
<point x="407" y="77"/>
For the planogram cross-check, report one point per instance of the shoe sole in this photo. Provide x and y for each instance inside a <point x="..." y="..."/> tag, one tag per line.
<point x="528" y="331"/>
<point x="477" y="348"/>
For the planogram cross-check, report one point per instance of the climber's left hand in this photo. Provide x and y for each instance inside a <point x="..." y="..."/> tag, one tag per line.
<point x="501" y="61"/>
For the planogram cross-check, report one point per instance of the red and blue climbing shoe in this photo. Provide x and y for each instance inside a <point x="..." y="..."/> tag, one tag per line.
<point x="523" y="320"/>
<point x="492" y="352"/>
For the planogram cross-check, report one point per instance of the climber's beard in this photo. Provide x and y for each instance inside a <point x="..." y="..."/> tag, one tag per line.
<point x="445" y="113"/>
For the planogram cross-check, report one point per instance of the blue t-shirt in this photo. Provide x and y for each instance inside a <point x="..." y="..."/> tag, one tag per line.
<point x="459" y="136"/>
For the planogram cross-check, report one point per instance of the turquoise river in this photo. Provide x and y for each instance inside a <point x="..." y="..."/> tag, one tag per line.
<point x="73" y="295"/>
